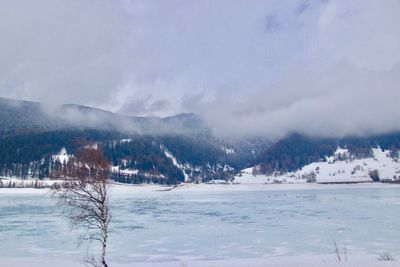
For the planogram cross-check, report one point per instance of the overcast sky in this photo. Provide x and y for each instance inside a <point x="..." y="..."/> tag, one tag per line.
<point x="248" y="67"/>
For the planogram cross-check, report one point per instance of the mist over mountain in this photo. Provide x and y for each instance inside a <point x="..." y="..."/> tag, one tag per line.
<point x="20" y="116"/>
<point x="151" y="149"/>
<point x="141" y="149"/>
<point x="266" y="68"/>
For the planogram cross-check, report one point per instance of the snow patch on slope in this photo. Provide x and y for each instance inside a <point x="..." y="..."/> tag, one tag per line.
<point x="63" y="157"/>
<point x="228" y="151"/>
<point x="180" y="166"/>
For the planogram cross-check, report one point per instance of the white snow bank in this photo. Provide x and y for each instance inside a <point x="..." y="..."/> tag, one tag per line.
<point x="190" y="187"/>
<point x="120" y="189"/>
<point x="117" y="169"/>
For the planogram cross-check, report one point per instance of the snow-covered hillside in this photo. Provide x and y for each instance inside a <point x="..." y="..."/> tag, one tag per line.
<point x="340" y="168"/>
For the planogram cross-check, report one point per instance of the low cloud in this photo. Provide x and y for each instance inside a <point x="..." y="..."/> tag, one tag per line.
<point x="269" y="68"/>
<point x="143" y="106"/>
<point x="338" y="102"/>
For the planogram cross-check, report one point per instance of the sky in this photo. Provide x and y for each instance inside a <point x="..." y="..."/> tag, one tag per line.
<point x="324" y="68"/>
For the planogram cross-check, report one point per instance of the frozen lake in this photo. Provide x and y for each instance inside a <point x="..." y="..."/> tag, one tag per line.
<point x="198" y="225"/>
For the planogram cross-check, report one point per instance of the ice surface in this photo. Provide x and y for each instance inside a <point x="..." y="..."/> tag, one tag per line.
<point x="220" y="227"/>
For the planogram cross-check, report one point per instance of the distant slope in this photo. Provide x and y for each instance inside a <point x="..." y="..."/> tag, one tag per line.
<point x="25" y="116"/>
<point x="299" y="159"/>
<point x="342" y="167"/>
<point x="296" y="151"/>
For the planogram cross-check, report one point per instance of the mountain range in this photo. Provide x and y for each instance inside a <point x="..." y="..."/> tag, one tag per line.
<point x="37" y="139"/>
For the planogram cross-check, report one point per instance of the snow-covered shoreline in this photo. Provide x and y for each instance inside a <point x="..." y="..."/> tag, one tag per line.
<point x="341" y="168"/>
<point x="130" y="188"/>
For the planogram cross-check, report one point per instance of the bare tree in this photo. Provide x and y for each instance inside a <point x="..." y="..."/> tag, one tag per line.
<point x="83" y="196"/>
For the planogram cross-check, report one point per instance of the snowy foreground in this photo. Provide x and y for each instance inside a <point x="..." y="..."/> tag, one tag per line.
<point x="213" y="225"/>
<point x="305" y="261"/>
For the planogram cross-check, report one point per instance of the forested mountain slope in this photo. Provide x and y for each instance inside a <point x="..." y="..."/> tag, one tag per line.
<point x="141" y="149"/>
<point x="34" y="137"/>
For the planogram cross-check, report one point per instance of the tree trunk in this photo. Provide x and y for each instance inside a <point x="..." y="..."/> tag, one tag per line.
<point x="103" y="254"/>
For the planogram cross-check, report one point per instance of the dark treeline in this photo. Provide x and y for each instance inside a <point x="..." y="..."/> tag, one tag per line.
<point x="145" y="155"/>
<point x="145" y="159"/>
<point x="202" y="160"/>
<point x="31" y="155"/>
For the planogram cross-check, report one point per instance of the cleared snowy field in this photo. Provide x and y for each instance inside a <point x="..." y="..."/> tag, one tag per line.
<point x="339" y="168"/>
<point x="213" y="225"/>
